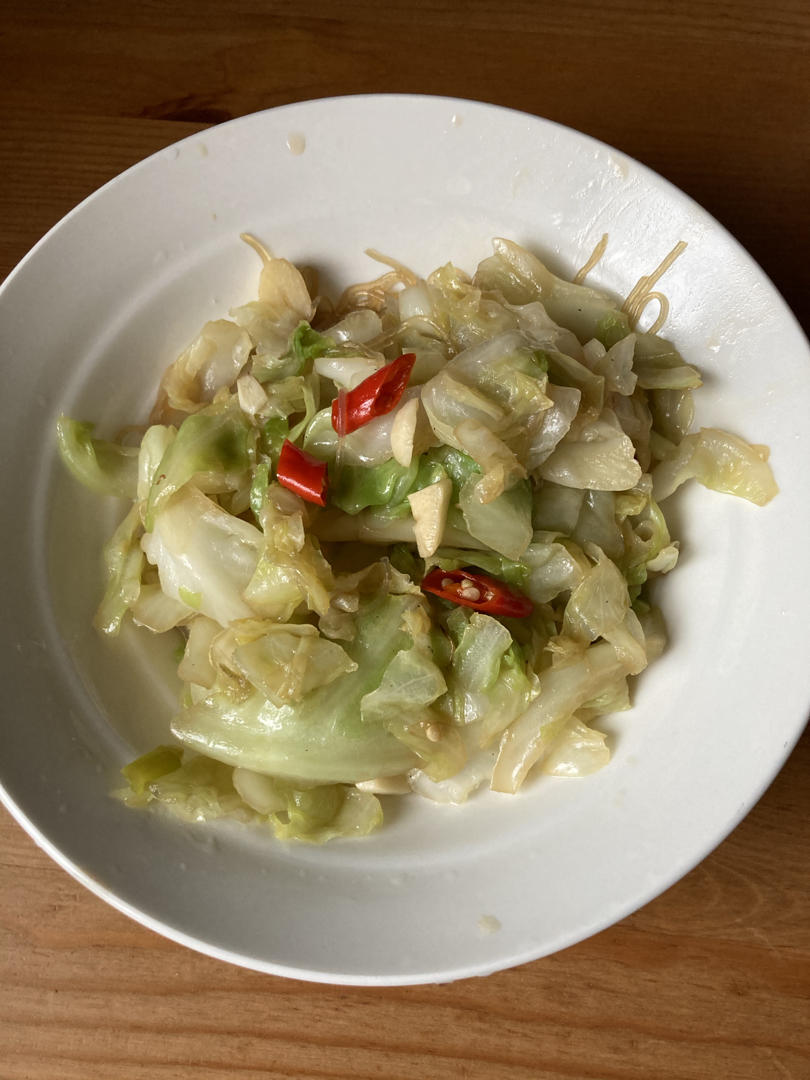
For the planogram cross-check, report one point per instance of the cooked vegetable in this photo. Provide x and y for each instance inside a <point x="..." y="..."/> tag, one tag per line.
<point x="105" y="467"/>
<point x="375" y="396"/>
<point x="718" y="460"/>
<point x="480" y="591"/>
<point x="407" y="540"/>
<point x="302" y="473"/>
<point x="429" y="506"/>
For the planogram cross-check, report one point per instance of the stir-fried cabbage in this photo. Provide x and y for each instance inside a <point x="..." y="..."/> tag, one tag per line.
<point x="105" y="467"/>
<point x="476" y="591"/>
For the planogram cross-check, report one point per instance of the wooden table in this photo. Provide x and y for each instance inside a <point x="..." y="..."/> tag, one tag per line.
<point x="713" y="978"/>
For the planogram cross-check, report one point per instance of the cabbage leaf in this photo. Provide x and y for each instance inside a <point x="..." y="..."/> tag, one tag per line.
<point x="105" y="467"/>
<point x="718" y="460"/>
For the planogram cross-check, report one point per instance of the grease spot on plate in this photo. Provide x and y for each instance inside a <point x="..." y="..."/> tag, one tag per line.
<point x="619" y="166"/>
<point x="488" y="924"/>
<point x="459" y="185"/>
<point x="296" y="143"/>
<point x="519" y="178"/>
<point x="456" y="120"/>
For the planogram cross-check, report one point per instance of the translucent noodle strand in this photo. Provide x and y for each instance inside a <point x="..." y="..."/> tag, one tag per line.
<point x="593" y="259"/>
<point x="642" y="292"/>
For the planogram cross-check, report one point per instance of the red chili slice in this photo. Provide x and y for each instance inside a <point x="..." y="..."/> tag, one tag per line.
<point x="302" y="473"/>
<point x="473" y="589"/>
<point x="373" y="397"/>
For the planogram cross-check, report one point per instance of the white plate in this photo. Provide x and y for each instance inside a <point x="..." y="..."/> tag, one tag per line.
<point x="100" y="306"/>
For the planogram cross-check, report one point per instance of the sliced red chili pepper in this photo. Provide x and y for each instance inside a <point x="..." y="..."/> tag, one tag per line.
<point x="373" y="397"/>
<point x="302" y="473"/>
<point x="473" y="589"/>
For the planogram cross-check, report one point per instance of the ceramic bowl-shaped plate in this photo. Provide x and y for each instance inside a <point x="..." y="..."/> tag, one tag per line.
<point x="91" y="318"/>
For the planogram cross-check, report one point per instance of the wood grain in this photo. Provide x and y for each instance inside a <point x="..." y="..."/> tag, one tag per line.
<point x="714" y="96"/>
<point x="712" y="979"/>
